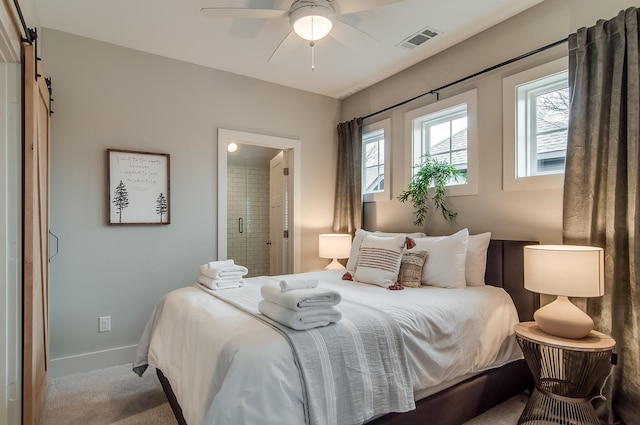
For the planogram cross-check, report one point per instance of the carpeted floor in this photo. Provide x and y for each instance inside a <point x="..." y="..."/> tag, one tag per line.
<point x="117" y="396"/>
<point x="506" y="413"/>
<point x="112" y="396"/>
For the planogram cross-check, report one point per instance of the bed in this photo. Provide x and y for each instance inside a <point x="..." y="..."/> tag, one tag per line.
<point x="458" y="395"/>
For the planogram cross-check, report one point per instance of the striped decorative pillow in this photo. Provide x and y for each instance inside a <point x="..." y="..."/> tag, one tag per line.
<point x="379" y="260"/>
<point x="359" y="237"/>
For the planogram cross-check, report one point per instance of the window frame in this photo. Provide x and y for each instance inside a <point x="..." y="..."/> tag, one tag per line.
<point x="385" y="194"/>
<point x="513" y="142"/>
<point x="470" y="98"/>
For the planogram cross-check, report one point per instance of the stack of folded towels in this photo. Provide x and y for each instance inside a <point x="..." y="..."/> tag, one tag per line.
<point x="222" y="274"/>
<point x="300" y="304"/>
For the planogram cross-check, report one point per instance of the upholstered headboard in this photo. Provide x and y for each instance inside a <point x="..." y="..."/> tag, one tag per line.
<point x="505" y="268"/>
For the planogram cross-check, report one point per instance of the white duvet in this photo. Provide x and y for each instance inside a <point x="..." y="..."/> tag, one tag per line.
<point x="226" y="367"/>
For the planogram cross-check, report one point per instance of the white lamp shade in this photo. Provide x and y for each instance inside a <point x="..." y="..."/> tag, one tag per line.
<point x="312" y="22"/>
<point x="334" y="245"/>
<point x="564" y="270"/>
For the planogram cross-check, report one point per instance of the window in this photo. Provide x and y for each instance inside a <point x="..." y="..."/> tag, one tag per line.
<point x="536" y="116"/>
<point x="444" y="135"/>
<point x="375" y="161"/>
<point x="543" y="114"/>
<point x="447" y="131"/>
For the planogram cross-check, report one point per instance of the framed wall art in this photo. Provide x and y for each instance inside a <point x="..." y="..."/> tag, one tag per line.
<point x="138" y="187"/>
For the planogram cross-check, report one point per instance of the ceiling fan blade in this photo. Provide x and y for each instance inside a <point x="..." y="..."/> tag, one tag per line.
<point x="346" y="31"/>
<point x="237" y="12"/>
<point x="352" y="6"/>
<point x="286" y="47"/>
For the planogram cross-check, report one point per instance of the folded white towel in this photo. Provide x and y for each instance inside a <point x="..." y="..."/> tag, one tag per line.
<point x="302" y="319"/>
<point x="216" y="264"/>
<point x="291" y="284"/>
<point x="220" y="283"/>
<point x="227" y="271"/>
<point x="300" y="298"/>
<point x="226" y="279"/>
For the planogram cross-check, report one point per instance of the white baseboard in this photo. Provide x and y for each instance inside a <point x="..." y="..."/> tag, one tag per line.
<point x="91" y="361"/>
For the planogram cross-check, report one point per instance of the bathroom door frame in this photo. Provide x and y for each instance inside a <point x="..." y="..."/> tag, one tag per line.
<point x="226" y="136"/>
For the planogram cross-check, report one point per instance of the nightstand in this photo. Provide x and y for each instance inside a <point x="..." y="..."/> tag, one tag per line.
<point x="565" y="372"/>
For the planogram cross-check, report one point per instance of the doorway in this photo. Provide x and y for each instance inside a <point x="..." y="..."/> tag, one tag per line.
<point x="229" y="223"/>
<point x="249" y="213"/>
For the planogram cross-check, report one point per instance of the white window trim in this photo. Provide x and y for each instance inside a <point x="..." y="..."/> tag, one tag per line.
<point x="384" y="195"/>
<point x="471" y="99"/>
<point x="510" y="181"/>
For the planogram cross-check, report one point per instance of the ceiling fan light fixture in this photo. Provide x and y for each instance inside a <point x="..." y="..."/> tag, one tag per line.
<point x="312" y="21"/>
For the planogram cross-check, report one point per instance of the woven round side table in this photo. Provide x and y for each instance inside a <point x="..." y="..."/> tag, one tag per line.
<point x="565" y="372"/>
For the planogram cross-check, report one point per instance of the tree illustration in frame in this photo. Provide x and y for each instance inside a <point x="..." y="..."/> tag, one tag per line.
<point x="121" y="199"/>
<point x="161" y="205"/>
<point x="139" y="182"/>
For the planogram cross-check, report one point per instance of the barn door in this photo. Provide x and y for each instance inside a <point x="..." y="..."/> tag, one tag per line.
<point x="35" y="238"/>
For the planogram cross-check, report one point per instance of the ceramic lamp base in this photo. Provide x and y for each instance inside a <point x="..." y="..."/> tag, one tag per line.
<point x="564" y="319"/>
<point x="334" y="265"/>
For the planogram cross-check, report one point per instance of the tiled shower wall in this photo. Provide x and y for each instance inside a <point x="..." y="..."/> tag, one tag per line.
<point x="248" y="198"/>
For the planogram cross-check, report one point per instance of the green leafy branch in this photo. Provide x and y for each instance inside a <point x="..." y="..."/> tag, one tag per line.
<point x="432" y="178"/>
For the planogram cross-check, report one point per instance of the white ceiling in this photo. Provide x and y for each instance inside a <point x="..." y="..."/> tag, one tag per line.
<point x="345" y="62"/>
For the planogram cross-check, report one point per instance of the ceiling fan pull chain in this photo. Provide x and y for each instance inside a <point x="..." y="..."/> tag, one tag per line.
<point x="313" y="56"/>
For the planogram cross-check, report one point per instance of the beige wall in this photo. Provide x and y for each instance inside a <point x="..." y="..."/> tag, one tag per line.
<point x="531" y="215"/>
<point x="111" y="97"/>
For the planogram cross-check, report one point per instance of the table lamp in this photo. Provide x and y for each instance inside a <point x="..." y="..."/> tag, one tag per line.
<point x="564" y="271"/>
<point x="334" y="245"/>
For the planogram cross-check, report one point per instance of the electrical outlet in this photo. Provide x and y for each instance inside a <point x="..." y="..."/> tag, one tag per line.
<point x="104" y="323"/>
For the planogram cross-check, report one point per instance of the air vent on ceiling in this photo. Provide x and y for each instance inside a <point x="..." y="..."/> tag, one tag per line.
<point x="418" y="38"/>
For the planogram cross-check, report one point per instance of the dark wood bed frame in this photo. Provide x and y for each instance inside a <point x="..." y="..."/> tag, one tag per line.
<point x="475" y="395"/>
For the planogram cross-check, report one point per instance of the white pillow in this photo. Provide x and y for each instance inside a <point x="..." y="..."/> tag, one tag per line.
<point x="379" y="260"/>
<point x="359" y="237"/>
<point x="445" y="265"/>
<point x="476" y="263"/>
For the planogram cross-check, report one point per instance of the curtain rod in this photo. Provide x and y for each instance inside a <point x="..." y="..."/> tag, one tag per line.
<point x="491" y="68"/>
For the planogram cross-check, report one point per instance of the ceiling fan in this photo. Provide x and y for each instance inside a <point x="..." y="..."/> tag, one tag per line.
<point x="309" y="19"/>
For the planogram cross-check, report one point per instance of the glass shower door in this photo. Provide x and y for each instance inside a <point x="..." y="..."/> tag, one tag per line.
<point x="248" y="211"/>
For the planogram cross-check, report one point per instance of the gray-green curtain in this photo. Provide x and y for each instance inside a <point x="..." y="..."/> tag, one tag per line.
<point x="601" y="195"/>
<point x="347" y="215"/>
